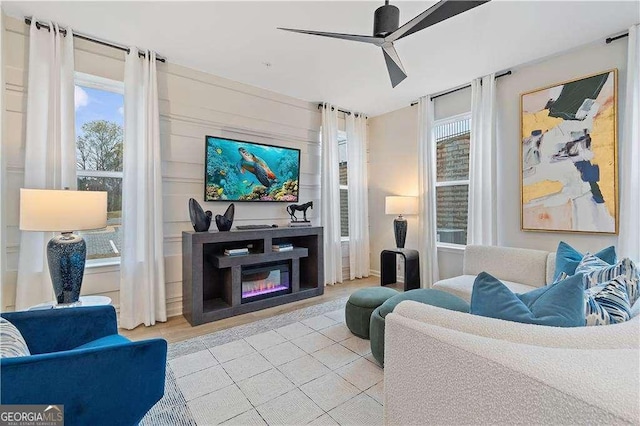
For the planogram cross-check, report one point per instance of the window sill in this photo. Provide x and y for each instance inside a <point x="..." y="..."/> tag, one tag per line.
<point x="452" y="248"/>
<point x="111" y="263"/>
<point x="344" y="239"/>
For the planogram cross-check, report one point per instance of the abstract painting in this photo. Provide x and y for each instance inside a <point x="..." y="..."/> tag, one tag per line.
<point x="568" y="156"/>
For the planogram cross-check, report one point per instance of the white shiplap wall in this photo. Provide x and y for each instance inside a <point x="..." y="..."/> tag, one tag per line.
<point x="192" y="104"/>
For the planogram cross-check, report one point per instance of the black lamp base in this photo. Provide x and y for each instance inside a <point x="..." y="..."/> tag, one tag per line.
<point x="66" y="255"/>
<point x="400" y="231"/>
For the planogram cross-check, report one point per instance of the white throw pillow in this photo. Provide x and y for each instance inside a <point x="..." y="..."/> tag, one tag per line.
<point x="12" y="343"/>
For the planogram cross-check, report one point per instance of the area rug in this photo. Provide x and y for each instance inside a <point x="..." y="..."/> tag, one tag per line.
<point x="302" y="367"/>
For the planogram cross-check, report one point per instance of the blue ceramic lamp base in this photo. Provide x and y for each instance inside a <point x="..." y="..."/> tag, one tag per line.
<point x="66" y="255"/>
<point x="400" y="231"/>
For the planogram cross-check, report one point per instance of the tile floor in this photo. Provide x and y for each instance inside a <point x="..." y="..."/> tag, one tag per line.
<point x="309" y="371"/>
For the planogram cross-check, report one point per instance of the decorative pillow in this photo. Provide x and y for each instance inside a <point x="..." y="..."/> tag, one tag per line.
<point x="12" y="343"/>
<point x="558" y="305"/>
<point x="568" y="258"/>
<point x="595" y="272"/>
<point x="607" y="303"/>
<point x="635" y="309"/>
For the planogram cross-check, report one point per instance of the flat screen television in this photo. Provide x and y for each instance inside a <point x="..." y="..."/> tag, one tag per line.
<point x="246" y="171"/>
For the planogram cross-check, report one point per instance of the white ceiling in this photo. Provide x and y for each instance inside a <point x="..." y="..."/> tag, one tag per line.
<point x="235" y="39"/>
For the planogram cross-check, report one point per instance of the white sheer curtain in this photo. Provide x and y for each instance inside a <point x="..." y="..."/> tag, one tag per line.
<point x="481" y="225"/>
<point x="629" y="240"/>
<point x="427" y="194"/>
<point x="358" y="196"/>
<point x="330" y="202"/>
<point x="142" y="284"/>
<point x="50" y="150"/>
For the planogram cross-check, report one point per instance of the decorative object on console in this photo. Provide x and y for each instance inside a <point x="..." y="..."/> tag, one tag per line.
<point x="568" y="140"/>
<point x="401" y="205"/>
<point x="224" y="222"/>
<point x="200" y="220"/>
<point x="558" y="305"/>
<point x="387" y="30"/>
<point x="568" y="258"/>
<point x="247" y="171"/>
<point x="64" y="211"/>
<point x="292" y="208"/>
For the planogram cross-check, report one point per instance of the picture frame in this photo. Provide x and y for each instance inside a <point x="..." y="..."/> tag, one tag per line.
<point x="568" y="156"/>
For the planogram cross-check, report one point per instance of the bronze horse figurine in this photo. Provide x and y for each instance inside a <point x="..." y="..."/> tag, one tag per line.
<point x="292" y="208"/>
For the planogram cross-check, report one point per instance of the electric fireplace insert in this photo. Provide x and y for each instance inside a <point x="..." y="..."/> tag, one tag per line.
<point x="263" y="281"/>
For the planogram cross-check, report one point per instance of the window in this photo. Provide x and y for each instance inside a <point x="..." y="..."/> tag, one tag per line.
<point x="99" y="106"/>
<point x="452" y="179"/>
<point x="344" y="189"/>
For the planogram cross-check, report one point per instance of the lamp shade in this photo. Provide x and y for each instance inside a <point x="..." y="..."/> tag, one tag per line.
<point x="62" y="210"/>
<point x="401" y="205"/>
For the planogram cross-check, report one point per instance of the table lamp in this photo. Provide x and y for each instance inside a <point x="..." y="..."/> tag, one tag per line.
<point x="64" y="211"/>
<point x="401" y="205"/>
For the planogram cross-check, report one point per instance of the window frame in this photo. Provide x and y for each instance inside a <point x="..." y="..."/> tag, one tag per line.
<point x="108" y="85"/>
<point x="343" y="134"/>
<point x="436" y="123"/>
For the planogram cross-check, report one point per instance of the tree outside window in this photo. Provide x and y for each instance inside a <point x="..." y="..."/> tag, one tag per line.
<point x="99" y="150"/>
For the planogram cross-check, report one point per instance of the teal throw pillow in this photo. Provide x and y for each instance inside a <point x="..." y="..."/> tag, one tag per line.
<point x="595" y="271"/>
<point x="557" y="305"/>
<point x="568" y="258"/>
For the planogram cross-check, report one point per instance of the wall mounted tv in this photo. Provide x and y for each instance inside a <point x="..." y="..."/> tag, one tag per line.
<point x="245" y="171"/>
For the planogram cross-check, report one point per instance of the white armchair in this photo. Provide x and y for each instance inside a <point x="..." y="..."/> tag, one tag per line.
<point x="446" y="367"/>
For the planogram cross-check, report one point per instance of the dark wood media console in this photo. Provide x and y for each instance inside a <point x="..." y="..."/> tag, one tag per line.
<point x="212" y="282"/>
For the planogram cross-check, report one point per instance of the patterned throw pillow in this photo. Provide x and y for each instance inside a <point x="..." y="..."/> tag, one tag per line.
<point x="595" y="271"/>
<point x="607" y="303"/>
<point x="12" y="343"/>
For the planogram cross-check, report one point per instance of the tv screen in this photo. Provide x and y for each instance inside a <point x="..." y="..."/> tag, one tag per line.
<point x="246" y="171"/>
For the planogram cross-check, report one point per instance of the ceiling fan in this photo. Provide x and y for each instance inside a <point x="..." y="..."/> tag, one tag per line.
<point x="387" y="30"/>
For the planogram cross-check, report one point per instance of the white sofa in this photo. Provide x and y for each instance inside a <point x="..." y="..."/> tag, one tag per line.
<point x="452" y="368"/>
<point x="521" y="270"/>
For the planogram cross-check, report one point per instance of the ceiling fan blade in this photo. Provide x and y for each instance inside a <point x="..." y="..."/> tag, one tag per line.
<point x="394" y="66"/>
<point x="353" y="37"/>
<point x="439" y="12"/>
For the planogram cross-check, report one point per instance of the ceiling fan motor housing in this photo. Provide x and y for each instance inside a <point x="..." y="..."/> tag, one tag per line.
<point x="386" y="20"/>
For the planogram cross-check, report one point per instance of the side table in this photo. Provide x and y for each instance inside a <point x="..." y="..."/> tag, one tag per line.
<point x="411" y="267"/>
<point x="84" y="301"/>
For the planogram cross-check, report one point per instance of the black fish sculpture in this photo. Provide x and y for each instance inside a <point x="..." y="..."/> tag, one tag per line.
<point x="200" y="219"/>
<point x="224" y="222"/>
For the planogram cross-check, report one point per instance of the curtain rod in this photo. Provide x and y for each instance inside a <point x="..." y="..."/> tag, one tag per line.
<point x="27" y="20"/>
<point x="341" y="110"/>
<point x="618" y="37"/>
<point x="459" y="88"/>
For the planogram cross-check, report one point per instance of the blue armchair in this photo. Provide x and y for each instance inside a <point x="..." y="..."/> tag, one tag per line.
<point x="79" y="360"/>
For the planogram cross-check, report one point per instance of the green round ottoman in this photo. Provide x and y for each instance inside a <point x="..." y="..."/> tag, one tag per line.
<point x="360" y="306"/>
<point x="427" y="296"/>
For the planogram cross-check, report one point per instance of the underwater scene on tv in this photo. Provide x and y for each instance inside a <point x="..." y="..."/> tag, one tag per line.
<point x="246" y="171"/>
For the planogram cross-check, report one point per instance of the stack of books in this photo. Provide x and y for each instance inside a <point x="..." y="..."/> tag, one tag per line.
<point x="236" y="252"/>
<point x="282" y="247"/>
